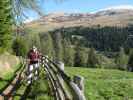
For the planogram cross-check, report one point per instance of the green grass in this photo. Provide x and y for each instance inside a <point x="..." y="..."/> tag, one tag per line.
<point x="7" y="77"/>
<point x="101" y="84"/>
<point x="9" y="64"/>
<point x="39" y="89"/>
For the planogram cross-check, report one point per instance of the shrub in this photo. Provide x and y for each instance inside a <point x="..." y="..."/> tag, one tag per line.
<point x="19" y="47"/>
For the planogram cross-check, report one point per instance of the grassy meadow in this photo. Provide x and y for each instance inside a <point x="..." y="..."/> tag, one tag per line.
<point x="102" y="84"/>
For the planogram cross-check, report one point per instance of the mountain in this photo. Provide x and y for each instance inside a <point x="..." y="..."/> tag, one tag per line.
<point x="120" y="7"/>
<point x="113" y="16"/>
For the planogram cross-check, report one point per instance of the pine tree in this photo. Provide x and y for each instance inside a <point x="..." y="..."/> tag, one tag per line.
<point x="92" y="58"/>
<point x="68" y="53"/>
<point x="57" y="44"/>
<point x="46" y="44"/>
<point x="78" y="56"/>
<point x="5" y="24"/>
<point x="121" y="60"/>
<point x="19" y="47"/>
<point x="20" y="6"/>
<point x="36" y="41"/>
<point x="130" y="62"/>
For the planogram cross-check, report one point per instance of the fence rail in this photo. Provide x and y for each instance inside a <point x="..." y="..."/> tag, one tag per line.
<point x="63" y="87"/>
<point x="7" y="93"/>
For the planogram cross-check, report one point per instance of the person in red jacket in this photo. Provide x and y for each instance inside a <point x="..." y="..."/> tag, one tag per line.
<point x="33" y="64"/>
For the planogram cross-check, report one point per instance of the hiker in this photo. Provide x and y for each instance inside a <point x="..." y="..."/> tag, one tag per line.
<point x="33" y="64"/>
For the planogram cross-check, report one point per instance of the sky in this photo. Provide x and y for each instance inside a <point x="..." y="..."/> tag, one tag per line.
<point x="78" y="6"/>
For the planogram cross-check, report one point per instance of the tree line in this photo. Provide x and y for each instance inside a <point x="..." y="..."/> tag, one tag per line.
<point x="73" y="50"/>
<point x="101" y="38"/>
<point x="12" y="15"/>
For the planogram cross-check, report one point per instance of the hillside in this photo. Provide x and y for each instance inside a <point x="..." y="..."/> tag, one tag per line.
<point x="7" y="63"/>
<point x="108" y="17"/>
<point x="101" y="84"/>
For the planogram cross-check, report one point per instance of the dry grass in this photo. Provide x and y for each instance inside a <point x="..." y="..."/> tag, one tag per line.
<point x="118" y="19"/>
<point x="7" y="63"/>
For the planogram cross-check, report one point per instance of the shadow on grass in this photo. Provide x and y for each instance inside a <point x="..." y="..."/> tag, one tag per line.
<point x="26" y="93"/>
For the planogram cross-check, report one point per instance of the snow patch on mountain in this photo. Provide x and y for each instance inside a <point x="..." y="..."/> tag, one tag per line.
<point x="120" y="7"/>
<point x="115" y="8"/>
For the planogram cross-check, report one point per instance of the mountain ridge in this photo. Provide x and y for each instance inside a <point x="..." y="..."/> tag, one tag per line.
<point x="108" y="17"/>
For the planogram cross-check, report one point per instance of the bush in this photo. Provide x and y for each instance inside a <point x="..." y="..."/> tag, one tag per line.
<point x="93" y="60"/>
<point x="19" y="47"/>
<point x="121" y="60"/>
<point x="130" y="62"/>
<point x="79" y="58"/>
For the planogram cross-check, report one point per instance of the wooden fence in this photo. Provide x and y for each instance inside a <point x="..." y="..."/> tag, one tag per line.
<point x="63" y="87"/>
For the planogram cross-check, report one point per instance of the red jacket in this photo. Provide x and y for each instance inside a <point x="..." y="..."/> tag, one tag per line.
<point x="33" y="56"/>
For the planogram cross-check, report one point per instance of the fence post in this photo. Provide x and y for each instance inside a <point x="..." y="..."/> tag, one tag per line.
<point x="79" y="81"/>
<point x="79" y="95"/>
<point x="76" y="85"/>
<point x="61" y="65"/>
